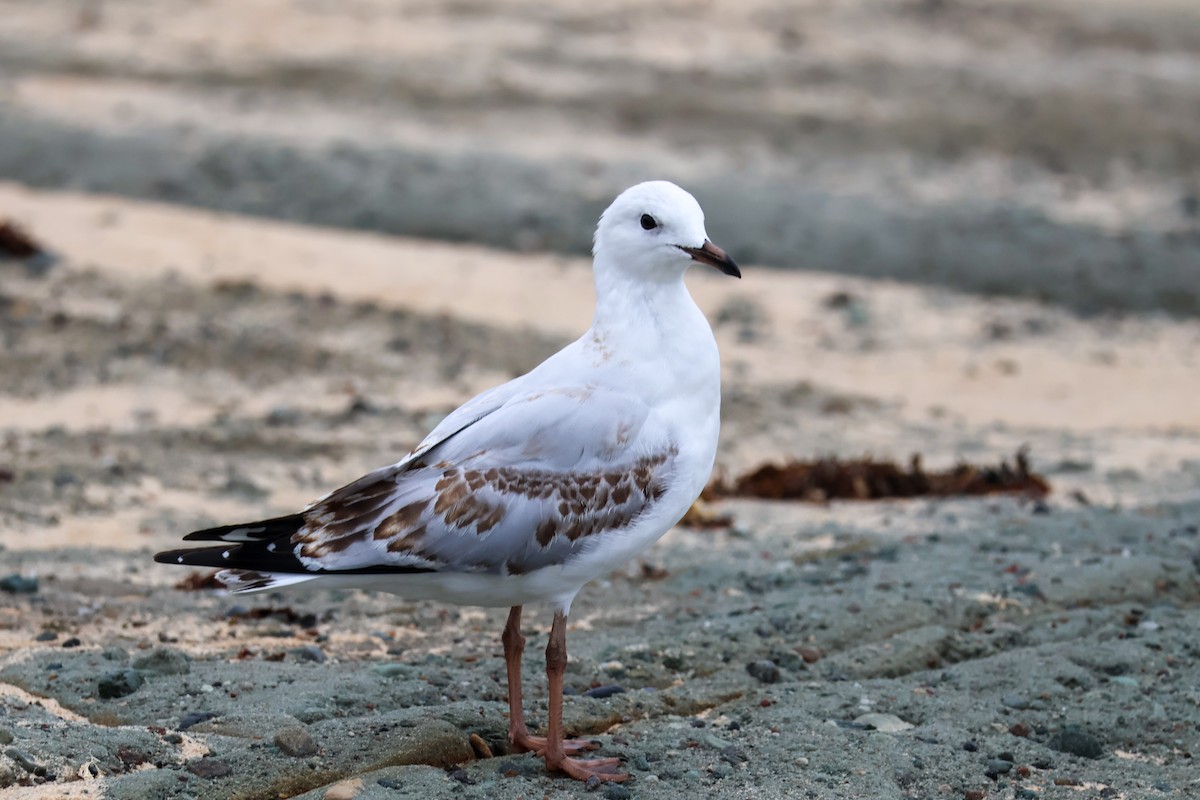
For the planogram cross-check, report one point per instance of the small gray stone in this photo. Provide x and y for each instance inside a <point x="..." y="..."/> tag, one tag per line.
<point x="46" y="636"/>
<point x="194" y="718"/>
<point x="115" y="654"/>
<point x="765" y="671"/>
<point x="1076" y="741"/>
<point x="164" y="661"/>
<point x="997" y="766"/>
<point x="310" y="714"/>
<point x="391" y="670"/>
<point x="209" y="768"/>
<point x="295" y="742"/>
<point x="310" y="653"/>
<point x="1014" y="700"/>
<point x="119" y="683"/>
<point x="616" y="792"/>
<point x="16" y="584"/>
<point x="715" y="742"/>
<point x="6" y="736"/>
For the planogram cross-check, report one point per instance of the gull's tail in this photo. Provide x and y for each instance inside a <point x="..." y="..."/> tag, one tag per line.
<point x="256" y="556"/>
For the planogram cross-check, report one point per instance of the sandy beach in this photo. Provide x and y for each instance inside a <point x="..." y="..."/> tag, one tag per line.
<point x="279" y="251"/>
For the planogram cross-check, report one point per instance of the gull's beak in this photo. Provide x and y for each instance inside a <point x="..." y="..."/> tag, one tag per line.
<point x="709" y="253"/>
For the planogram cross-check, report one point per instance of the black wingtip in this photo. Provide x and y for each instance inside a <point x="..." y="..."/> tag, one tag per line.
<point x="261" y="531"/>
<point x="218" y="557"/>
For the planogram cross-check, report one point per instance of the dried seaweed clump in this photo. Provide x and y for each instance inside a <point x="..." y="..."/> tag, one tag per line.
<point x="868" y="479"/>
<point x="16" y="243"/>
<point x="199" y="581"/>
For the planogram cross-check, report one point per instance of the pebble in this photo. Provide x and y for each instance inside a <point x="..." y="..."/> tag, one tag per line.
<point x="47" y="636"/>
<point x="997" y="767"/>
<point x="6" y="737"/>
<point x="16" y="584"/>
<point x="641" y="764"/>
<point x="884" y="723"/>
<point x="1016" y="701"/>
<point x="733" y="756"/>
<point x="310" y="714"/>
<point x="119" y="654"/>
<point x="811" y="655"/>
<point x="282" y="415"/>
<point x="1076" y="741"/>
<point x="715" y="742"/>
<point x="673" y="661"/>
<point x="194" y="718"/>
<point x="802" y="761"/>
<point x="295" y="741"/>
<point x="119" y="683"/>
<point x="64" y="477"/>
<point x="974" y="794"/>
<point x="462" y="776"/>
<point x="210" y="768"/>
<point x="390" y="783"/>
<point x="164" y="661"/>
<point x="391" y="670"/>
<point x="72" y="642"/>
<point x="615" y="792"/>
<point x="310" y="653"/>
<point x="765" y="671"/>
<point x="601" y="692"/>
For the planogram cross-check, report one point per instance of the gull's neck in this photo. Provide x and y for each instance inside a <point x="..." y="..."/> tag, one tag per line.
<point x="654" y="332"/>
<point x="628" y="306"/>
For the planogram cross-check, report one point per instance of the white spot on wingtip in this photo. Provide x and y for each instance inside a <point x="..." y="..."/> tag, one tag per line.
<point x="179" y="560"/>
<point x="225" y="554"/>
<point x="271" y="547"/>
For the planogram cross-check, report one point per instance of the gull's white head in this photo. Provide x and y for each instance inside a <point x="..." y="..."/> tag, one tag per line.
<point x="654" y="231"/>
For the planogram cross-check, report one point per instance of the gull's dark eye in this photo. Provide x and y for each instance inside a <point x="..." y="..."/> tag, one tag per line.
<point x="649" y="223"/>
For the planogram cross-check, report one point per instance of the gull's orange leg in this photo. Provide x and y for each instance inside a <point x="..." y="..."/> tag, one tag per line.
<point x="556" y="753"/>
<point x="518" y="734"/>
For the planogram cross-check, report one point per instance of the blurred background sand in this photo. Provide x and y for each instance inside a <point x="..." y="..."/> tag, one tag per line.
<point x="1047" y="149"/>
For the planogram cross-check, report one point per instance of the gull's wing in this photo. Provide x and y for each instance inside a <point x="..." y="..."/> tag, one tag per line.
<point x="515" y="489"/>
<point x="464" y="416"/>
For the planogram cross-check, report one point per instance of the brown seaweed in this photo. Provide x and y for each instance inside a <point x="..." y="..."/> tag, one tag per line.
<point x="868" y="479"/>
<point x="15" y="242"/>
